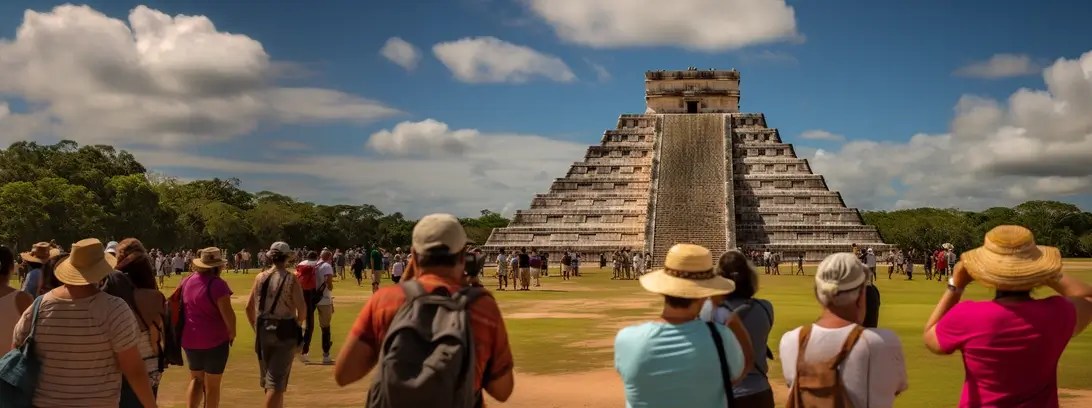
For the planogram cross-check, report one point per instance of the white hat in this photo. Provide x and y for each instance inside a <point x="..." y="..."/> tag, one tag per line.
<point x="280" y="247"/>
<point x="839" y="272"/>
<point x="439" y="230"/>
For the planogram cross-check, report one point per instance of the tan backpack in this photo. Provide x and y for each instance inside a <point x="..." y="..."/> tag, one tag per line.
<point x="819" y="385"/>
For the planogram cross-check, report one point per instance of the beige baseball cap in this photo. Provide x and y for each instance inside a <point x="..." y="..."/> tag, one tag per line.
<point x="436" y="230"/>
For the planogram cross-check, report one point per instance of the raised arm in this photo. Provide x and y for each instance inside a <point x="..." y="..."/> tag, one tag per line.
<point x="1080" y="295"/>
<point x="960" y="280"/>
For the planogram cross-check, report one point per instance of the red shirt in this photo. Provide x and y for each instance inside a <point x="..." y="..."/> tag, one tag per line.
<point x="486" y="325"/>
<point x="1010" y="350"/>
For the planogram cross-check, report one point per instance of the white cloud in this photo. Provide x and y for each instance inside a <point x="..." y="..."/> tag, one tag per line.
<point x="493" y="172"/>
<point x="601" y="72"/>
<point x="425" y="138"/>
<point x="1000" y="66"/>
<point x="707" y="25"/>
<point x="819" y="134"/>
<point x="401" y="52"/>
<point x="489" y="59"/>
<point x="1035" y="146"/>
<point x="156" y="80"/>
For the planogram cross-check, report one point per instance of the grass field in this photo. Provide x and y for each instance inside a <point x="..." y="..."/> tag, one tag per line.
<point x="564" y="332"/>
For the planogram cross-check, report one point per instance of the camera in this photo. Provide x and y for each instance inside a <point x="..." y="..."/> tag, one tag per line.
<point x="474" y="264"/>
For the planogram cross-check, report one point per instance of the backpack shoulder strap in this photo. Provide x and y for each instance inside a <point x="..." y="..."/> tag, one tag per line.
<point x="413" y="290"/>
<point x="850" y="342"/>
<point x="725" y="371"/>
<point x="34" y="318"/>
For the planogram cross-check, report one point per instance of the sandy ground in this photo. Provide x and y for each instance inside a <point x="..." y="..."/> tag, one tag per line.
<point x="603" y="389"/>
<point x="591" y="389"/>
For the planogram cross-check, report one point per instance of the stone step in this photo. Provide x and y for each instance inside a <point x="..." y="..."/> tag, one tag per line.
<point x="692" y="190"/>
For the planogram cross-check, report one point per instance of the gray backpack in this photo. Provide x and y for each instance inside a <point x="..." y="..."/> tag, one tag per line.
<point x="427" y="357"/>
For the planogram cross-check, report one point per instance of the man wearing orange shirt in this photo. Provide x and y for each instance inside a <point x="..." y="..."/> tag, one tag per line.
<point x="439" y="257"/>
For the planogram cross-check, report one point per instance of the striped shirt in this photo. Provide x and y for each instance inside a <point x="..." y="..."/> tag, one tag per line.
<point x="76" y="341"/>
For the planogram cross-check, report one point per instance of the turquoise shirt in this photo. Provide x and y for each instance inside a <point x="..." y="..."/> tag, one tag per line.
<point x="674" y="365"/>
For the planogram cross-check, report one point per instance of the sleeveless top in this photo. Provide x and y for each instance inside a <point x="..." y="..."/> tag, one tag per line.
<point x="9" y="316"/>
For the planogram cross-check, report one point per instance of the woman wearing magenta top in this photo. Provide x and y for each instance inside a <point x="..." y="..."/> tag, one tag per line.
<point x="209" y="328"/>
<point x="1010" y="345"/>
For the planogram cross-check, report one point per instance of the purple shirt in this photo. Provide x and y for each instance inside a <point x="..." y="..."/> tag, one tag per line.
<point x="204" y="328"/>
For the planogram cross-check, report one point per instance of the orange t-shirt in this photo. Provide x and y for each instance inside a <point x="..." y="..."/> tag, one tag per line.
<point x="486" y="325"/>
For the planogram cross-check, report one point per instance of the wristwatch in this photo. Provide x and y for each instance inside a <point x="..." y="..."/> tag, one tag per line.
<point x="952" y="287"/>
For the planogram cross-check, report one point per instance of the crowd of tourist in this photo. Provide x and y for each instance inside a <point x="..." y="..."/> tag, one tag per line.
<point x="95" y="330"/>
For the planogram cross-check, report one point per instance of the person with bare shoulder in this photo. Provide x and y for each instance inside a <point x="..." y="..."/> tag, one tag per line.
<point x="13" y="302"/>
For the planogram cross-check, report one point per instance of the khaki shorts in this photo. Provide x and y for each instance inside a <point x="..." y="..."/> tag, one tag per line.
<point x="325" y="314"/>
<point x="376" y="273"/>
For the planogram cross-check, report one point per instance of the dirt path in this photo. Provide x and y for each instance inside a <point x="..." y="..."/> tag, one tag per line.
<point x="591" y="389"/>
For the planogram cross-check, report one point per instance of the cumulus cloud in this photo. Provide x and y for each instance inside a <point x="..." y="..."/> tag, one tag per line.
<point x="489" y="59"/>
<point x="493" y="172"/>
<point x="401" y="52"/>
<point x="1000" y="66"/>
<point x="425" y="138"/>
<point x="1036" y="145"/>
<point x="706" y="25"/>
<point x="155" y="79"/>
<point x="819" y="134"/>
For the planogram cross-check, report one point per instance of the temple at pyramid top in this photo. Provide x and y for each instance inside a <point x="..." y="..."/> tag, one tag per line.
<point x="692" y="91"/>
<point x="693" y="169"/>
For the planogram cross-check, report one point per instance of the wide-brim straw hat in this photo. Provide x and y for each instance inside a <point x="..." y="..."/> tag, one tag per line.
<point x="87" y="264"/>
<point x="1010" y="260"/>
<point x="39" y="253"/>
<point x="688" y="273"/>
<point x="211" y="257"/>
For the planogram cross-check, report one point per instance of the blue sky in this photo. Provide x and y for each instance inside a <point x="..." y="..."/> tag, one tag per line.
<point x="867" y="75"/>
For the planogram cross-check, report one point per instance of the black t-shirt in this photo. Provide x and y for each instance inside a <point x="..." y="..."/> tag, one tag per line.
<point x="524" y="261"/>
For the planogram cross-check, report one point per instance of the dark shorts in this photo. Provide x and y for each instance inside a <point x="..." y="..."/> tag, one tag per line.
<point x="210" y="361"/>
<point x="275" y="364"/>
<point x="396" y="278"/>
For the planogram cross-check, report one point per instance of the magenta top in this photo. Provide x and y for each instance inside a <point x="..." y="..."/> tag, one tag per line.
<point x="205" y="327"/>
<point x="1010" y="350"/>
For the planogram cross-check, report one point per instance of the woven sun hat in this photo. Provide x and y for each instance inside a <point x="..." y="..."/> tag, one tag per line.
<point x="1010" y="260"/>
<point x="688" y="273"/>
<point x="211" y="257"/>
<point x="948" y="245"/>
<point x="87" y="264"/>
<point x="39" y="253"/>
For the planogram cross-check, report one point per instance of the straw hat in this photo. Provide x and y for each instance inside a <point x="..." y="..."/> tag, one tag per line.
<point x="87" y="264"/>
<point x="38" y="253"/>
<point x="209" y="258"/>
<point x="688" y="273"/>
<point x="948" y="245"/>
<point x="1010" y="260"/>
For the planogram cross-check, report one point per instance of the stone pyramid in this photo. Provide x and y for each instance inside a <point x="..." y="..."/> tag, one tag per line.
<point x="694" y="169"/>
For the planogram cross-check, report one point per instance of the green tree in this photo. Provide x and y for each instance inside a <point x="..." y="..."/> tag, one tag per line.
<point x="74" y="211"/>
<point x="24" y="209"/>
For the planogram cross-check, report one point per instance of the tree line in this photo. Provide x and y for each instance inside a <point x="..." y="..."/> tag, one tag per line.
<point x="66" y="192"/>
<point x="1054" y="223"/>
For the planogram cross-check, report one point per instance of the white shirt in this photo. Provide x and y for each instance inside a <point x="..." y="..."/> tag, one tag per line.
<point x="874" y="372"/>
<point x="322" y="270"/>
<point x="397" y="269"/>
